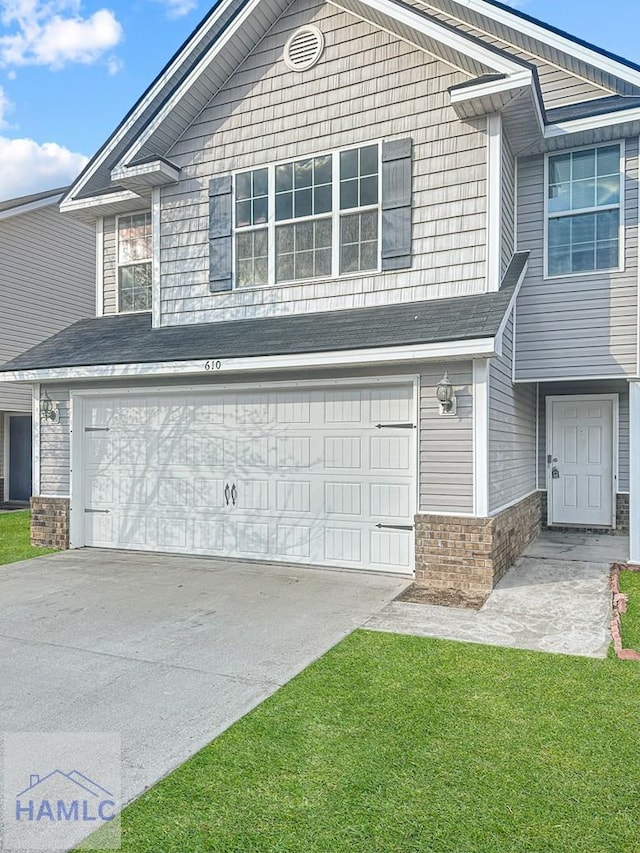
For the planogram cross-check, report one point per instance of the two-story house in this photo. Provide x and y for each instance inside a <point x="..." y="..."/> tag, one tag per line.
<point x="368" y="297"/>
<point x="47" y="262"/>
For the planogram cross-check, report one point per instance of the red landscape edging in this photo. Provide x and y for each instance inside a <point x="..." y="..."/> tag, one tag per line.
<point x="620" y="607"/>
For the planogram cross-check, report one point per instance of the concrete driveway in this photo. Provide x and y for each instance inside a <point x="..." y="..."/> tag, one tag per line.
<point x="168" y="651"/>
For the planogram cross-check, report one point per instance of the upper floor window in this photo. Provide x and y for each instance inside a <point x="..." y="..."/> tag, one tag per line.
<point x="309" y="218"/>
<point x="134" y="262"/>
<point x="584" y="211"/>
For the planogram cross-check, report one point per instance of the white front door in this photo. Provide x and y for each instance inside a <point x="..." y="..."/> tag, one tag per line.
<point x="580" y="461"/>
<point x="313" y="475"/>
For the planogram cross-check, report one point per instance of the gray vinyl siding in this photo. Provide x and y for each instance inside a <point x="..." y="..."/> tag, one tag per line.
<point x="560" y="83"/>
<point x="508" y="212"/>
<point x="109" y="274"/>
<point x="350" y="97"/>
<point x="55" y="455"/>
<point x="446" y="443"/>
<point x="580" y="325"/>
<point x="512" y="431"/>
<point x="550" y="389"/>
<point x="47" y="281"/>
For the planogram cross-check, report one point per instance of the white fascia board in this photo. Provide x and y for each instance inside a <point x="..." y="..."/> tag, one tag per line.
<point x="188" y="81"/>
<point x="98" y="201"/>
<point x="519" y="79"/>
<point x="154" y="173"/>
<point x="477" y="348"/>
<point x="144" y="102"/>
<point x="453" y="40"/>
<point x="511" y="306"/>
<point x="31" y="205"/>
<point x="555" y="40"/>
<point x="565" y="128"/>
<point x="458" y="41"/>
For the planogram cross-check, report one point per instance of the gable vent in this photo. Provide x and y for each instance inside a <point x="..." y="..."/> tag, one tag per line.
<point x="304" y="48"/>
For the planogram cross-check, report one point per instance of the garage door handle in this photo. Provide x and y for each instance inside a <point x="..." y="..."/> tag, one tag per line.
<point x="227" y="493"/>
<point x="395" y="526"/>
<point x="395" y="426"/>
<point x="234" y="493"/>
<point x="101" y="511"/>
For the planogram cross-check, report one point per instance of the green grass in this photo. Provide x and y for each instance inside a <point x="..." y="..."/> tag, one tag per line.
<point x="14" y="538"/>
<point x="393" y="744"/>
<point x="630" y="584"/>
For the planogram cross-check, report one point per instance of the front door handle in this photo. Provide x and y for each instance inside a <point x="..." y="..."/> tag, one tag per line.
<point x="555" y="473"/>
<point x="234" y="493"/>
<point x="227" y="493"/>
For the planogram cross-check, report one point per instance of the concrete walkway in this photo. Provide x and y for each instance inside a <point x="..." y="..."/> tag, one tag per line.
<point x="555" y="599"/>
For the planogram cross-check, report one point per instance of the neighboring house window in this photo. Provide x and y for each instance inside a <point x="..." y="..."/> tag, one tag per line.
<point x="134" y="262"/>
<point x="309" y="218"/>
<point x="584" y="210"/>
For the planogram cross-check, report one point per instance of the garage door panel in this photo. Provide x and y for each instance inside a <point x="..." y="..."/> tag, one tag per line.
<point x="390" y="547"/>
<point x="343" y="452"/>
<point x="300" y="475"/>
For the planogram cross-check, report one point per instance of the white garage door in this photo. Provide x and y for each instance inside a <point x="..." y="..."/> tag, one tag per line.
<point x="322" y="476"/>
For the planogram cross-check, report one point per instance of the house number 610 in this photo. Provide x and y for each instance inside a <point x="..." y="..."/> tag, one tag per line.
<point x="213" y="364"/>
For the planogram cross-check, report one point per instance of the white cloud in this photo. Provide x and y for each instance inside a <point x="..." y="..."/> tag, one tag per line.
<point x="5" y="107"/>
<point x="28" y="167"/>
<point x="178" y="8"/>
<point x="55" y="33"/>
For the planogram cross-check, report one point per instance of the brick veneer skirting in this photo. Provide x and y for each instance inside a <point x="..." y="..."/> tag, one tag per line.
<point x="50" y="522"/>
<point x="468" y="556"/>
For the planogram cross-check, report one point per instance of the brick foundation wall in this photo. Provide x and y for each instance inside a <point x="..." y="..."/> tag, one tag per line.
<point x="622" y="518"/>
<point x="466" y="557"/>
<point x="50" y="522"/>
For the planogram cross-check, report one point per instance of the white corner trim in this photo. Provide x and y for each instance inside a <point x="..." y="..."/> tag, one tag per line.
<point x="481" y="438"/>
<point x="481" y="348"/>
<point x="31" y="205"/>
<point x="155" y="258"/>
<point x="634" y="472"/>
<point x="100" y="266"/>
<point x="494" y="200"/>
<point x="35" y="442"/>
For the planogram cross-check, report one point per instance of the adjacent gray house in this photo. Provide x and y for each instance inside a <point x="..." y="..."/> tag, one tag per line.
<point x="367" y="297"/>
<point x="47" y="262"/>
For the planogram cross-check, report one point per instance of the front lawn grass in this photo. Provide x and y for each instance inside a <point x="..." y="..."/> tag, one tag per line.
<point x="15" y="538"/>
<point x="396" y="744"/>
<point x="630" y="584"/>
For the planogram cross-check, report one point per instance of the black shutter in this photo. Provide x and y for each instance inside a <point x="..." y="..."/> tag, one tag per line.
<point x="396" y="204"/>
<point x="220" y="233"/>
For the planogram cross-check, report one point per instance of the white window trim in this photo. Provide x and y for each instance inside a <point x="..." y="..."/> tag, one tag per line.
<point x="621" y="207"/>
<point x="334" y="215"/>
<point x="137" y="263"/>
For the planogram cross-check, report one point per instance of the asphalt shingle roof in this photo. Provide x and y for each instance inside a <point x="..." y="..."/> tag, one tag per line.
<point x="129" y="338"/>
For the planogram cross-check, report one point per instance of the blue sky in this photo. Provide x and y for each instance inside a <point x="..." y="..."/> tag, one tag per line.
<point x="71" y="69"/>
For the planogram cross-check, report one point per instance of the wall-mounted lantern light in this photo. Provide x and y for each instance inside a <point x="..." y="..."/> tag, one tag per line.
<point x="446" y="396"/>
<point x="48" y="410"/>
